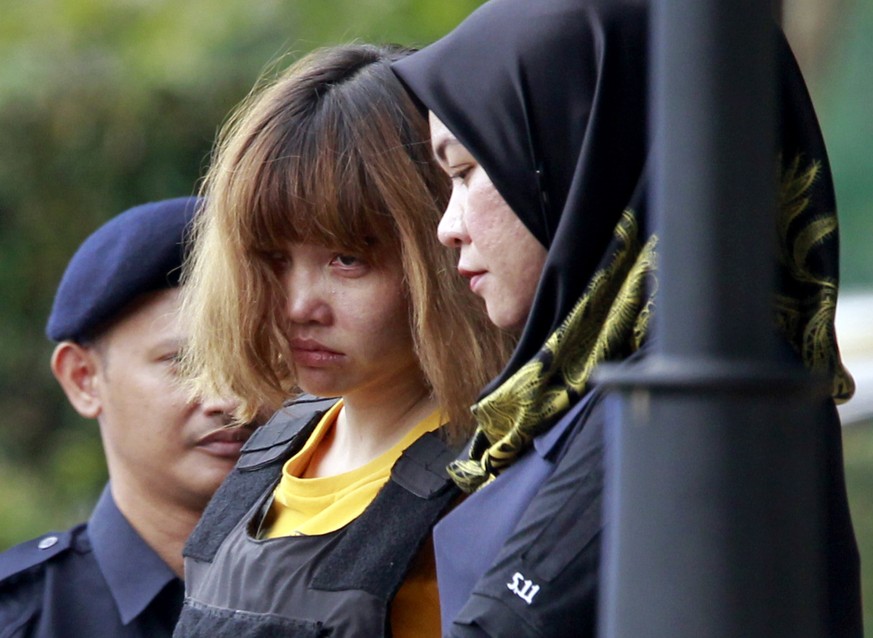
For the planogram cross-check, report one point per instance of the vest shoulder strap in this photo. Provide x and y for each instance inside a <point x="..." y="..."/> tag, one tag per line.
<point x="422" y="468"/>
<point x="273" y="439"/>
<point x="376" y="551"/>
<point x="258" y="468"/>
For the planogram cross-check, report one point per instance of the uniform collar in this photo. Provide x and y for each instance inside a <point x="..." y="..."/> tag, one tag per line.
<point x="134" y="572"/>
<point x="547" y="443"/>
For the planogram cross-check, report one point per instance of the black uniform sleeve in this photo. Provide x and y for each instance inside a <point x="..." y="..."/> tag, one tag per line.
<point x="544" y="580"/>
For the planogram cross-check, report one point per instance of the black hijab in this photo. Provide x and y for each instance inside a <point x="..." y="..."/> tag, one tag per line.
<point x="550" y="97"/>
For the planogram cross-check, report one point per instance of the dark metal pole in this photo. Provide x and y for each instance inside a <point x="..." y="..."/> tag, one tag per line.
<point x="714" y="499"/>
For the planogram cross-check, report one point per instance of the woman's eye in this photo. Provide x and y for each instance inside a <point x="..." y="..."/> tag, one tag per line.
<point x="349" y="266"/>
<point x="459" y="175"/>
<point x="346" y="261"/>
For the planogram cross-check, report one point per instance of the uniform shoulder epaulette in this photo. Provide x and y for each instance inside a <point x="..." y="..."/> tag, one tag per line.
<point x="41" y="549"/>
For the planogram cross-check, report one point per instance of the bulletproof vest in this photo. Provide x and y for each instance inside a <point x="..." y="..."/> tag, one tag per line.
<point x="337" y="584"/>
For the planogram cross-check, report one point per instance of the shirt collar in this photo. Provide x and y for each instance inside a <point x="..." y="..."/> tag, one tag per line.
<point x="134" y="572"/>
<point x="546" y="444"/>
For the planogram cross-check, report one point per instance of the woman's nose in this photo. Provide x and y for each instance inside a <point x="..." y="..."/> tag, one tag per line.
<point x="306" y="301"/>
<point x="451" y="230"/>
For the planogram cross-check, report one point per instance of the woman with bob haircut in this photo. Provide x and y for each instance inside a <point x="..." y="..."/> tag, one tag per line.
<point x="316" y="269"/>
<point x="538" y="114"/>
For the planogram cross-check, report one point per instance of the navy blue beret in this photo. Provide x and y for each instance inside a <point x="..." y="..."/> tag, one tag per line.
<point x="139" y="251"/>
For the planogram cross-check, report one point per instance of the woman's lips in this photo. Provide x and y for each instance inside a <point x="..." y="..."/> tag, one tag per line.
<point x="307" y="352"/>
<point x="475" y="277"/>
<point x="225" y="442"/>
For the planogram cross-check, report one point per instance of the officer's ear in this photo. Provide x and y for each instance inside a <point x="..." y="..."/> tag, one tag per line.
<point x="76" y="367"/>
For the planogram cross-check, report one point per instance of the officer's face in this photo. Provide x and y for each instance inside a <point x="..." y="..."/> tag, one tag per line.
<point x="348" y="324"/>
<point x="158" y="442"/>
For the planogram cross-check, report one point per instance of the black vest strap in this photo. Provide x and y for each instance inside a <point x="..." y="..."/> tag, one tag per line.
<point x="421" y="469"/>
<point x="258" y="468"/>
<point x="376" y="551"/>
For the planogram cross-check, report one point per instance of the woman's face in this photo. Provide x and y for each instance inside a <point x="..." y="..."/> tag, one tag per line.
<point x="498" y="254"/>
<point x="348" y="323"/>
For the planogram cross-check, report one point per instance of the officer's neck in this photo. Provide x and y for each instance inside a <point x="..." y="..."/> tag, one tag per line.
<point x="164" y="525"/>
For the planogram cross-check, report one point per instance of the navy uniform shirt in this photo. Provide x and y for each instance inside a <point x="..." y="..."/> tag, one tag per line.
<point x="473" y="561"/>
<point x="98" y="579"/>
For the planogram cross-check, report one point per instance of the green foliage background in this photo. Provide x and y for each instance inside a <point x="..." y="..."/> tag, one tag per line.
<point x="105" y="104"/>
<point x="843" y="96"/>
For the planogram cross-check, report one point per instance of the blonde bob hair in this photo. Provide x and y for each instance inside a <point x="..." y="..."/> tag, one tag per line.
<point x="334" y="152"/>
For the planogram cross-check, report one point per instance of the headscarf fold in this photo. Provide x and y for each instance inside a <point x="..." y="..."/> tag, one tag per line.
<point x="550" y="97"/>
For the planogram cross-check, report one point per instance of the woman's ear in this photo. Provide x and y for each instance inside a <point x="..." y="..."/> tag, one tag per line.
<point x="76" y="368"/>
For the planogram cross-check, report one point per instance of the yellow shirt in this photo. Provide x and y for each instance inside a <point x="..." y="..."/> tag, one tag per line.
<point x="320" y="505"/>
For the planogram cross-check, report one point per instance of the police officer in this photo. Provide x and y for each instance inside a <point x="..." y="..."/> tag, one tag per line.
<point x="118" y="343"/>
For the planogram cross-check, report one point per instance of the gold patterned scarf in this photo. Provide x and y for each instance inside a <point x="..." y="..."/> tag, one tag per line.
<point x="806" y="298"/>
<point x="611" y="318"/>
<point x="607" y="323"/>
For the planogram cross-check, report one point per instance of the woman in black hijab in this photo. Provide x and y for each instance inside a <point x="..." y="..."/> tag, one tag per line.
<point x="538" y="114"/>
